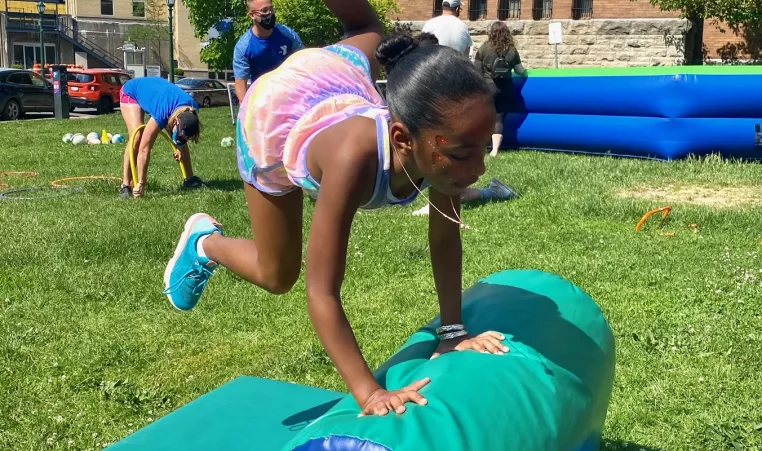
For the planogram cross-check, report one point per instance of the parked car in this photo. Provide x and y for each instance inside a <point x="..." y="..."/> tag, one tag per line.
<point x="23" y="91"/>
<point x="96" y="88"/>
<point x="206" y="92"/>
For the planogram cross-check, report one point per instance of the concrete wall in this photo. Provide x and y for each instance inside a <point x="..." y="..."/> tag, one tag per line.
<point x="113" y="34"/>
<point x="597" y="42"/>
<point x="720" y="42"/>
<point x="66" y="52"/>
<point x="187" y="47"/>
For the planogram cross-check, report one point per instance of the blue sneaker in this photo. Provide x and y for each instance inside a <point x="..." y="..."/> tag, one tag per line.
<point x="187" y="272"/>
<point x="500" y="190"/>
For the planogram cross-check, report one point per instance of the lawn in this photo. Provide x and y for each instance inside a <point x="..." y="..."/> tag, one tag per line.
<point x="91" y="350"/>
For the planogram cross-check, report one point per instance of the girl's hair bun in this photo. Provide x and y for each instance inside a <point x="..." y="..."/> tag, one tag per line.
<point x="394" y="48"/>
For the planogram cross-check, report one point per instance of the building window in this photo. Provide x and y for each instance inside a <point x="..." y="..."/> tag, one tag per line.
<point x="27" y="55"/>
<point x="509" y="9"/>
<point x="542" y="9"/>
<point x="134" y="58"/>
<point x="138" y="8"/>
<point x="437" y="8"/>
<point x="582" y="9"/>
<point x="477" y="9"/>
<point x="107" y="7"/>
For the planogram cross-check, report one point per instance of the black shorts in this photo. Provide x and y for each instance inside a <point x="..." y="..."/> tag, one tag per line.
<point x="503" y="96"/>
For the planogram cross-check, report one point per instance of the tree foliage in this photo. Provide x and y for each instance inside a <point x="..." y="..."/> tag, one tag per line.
<point x="734" y="12"/>
<point x="153" y="32"/>
<point x="310" y="18"/>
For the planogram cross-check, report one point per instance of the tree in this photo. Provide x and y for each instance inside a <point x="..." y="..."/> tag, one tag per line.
<point x="741" y="16"/>
<point x="735" y="13"/>
<point x="154" y="32"/>
<point x="310" y="18"/>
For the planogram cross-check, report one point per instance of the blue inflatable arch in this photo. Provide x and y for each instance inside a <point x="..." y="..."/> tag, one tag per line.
<point x="651" y="112"/>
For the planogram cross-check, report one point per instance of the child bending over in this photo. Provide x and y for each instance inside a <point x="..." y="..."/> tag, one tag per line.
<point x="317" y="124"/>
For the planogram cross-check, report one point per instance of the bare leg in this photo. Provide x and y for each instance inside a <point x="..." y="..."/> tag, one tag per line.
<point x="274" y="260"/>
<point x="133" y="118"/>
<point x="497" y="138"/>
<point x="144" y="158"/>
<point x="185" y="158"/>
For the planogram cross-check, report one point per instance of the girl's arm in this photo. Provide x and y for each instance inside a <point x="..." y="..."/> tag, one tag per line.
<point x="446" y="255"/>
<point x="479" y="59"/>
<point x="447" y="263"/>
<point x="518" y="67"/>
<point x="347" y="158"/>
<point x="335" y="209"/>
<point x="362" y="27"/>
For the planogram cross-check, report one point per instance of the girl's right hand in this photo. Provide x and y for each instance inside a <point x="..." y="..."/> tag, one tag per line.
<point x="382" y="402"/>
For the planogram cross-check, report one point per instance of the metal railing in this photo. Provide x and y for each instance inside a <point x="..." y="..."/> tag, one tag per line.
<point x="509" y="9"/>
<point x="582" y="9"/>
<point x="20" y="20"/>
<point x="542" y="9"/>
<point x="62" y="24"/>
<point x="67" y="28"/>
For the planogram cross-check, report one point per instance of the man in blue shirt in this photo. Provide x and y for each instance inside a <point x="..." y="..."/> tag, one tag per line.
<point x="263" y="48"/>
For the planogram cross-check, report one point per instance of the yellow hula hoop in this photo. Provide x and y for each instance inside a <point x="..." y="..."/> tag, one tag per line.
<point x="133" y="163"/>
<point x="60" y="182"/>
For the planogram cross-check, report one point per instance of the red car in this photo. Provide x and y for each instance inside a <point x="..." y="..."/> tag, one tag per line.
<point x="96" y="88"/>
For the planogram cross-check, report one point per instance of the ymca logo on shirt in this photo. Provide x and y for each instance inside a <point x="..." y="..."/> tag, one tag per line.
<point x="255" y="56"/>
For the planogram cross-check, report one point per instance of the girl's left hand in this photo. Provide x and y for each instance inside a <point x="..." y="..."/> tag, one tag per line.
<point x="488" y="342"/>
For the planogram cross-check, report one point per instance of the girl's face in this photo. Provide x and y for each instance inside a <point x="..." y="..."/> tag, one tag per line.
<point x="177" y="136"/>
<point x="452" y="158"/>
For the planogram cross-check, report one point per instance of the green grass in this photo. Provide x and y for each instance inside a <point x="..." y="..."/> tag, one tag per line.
<point x="91" y="350"/>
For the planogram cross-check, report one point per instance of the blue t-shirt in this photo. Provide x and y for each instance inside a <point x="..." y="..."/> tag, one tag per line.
<point x="254" y="56"/>
<point x="158" y="97"/>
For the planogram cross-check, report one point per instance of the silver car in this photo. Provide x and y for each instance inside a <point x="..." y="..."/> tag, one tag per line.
<point x="205" y="91"/>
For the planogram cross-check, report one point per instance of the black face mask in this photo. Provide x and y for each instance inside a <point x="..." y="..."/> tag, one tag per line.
<point x="267" y="21"/>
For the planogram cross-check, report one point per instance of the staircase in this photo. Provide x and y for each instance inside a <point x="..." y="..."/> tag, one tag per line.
<point x="64" y="26"/>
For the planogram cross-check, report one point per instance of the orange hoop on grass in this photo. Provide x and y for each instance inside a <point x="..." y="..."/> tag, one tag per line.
<point x="645" y="217"/>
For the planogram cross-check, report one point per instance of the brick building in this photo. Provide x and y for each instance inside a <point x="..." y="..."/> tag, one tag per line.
<point x="615" y="16"/>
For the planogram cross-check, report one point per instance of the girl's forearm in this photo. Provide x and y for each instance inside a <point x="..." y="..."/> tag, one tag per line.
<point x="447" y="265"/>
<point x="338" y="339"/>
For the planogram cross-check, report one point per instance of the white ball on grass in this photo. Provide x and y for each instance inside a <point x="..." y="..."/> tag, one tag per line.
<point x="78" y="139"/>
<point x="67" y="138"/>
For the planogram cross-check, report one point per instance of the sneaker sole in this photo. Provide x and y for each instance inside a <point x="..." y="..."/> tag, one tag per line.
<point x="179" y="250"/>
<point x="511" y="193"/>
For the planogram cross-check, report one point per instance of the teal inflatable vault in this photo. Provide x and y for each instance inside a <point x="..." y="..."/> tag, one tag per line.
<point x="551" y="392"/>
